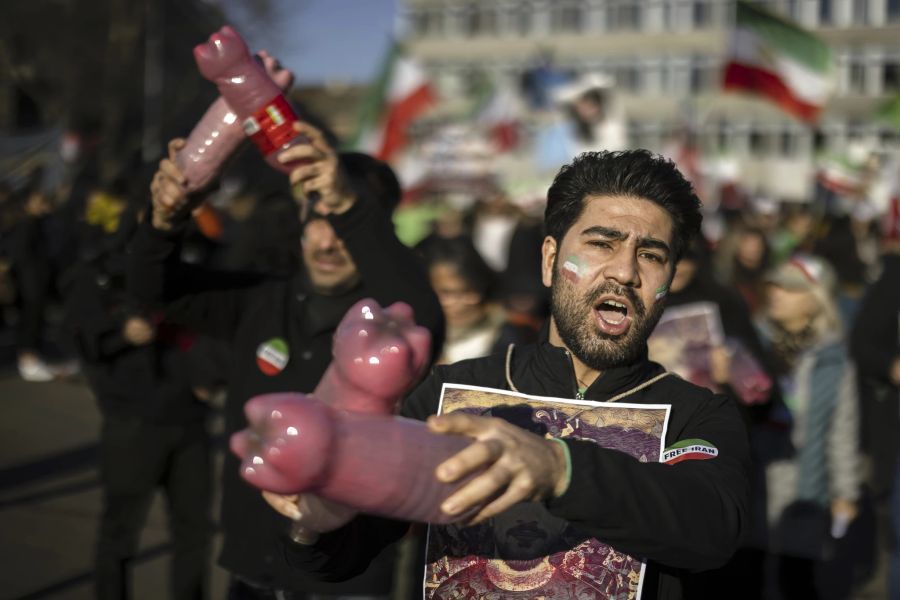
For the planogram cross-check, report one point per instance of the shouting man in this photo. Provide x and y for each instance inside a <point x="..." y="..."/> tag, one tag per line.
<point x="617" y="223"/>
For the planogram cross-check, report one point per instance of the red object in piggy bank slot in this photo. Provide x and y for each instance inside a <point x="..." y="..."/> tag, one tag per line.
<point x="342" y="442"/>
<point x="258" y="102"/>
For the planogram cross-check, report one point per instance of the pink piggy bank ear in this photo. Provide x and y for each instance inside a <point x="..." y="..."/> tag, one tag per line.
<point x="288" y="443"/>
<point x="380" y="351"/>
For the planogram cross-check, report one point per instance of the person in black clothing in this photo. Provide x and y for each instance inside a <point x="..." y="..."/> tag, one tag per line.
<point x="875" y="346"/>
<point x="695" y="284"/>
<point x="280" y="330"/>
<point x="617" y="222"/>
<point x="153" y="433"/>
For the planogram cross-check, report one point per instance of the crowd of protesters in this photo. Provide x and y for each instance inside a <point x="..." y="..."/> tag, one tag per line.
<point x="803" y="334"/>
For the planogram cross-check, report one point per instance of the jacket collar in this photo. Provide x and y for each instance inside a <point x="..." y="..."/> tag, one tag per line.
<point x="321" y="313"/>
<point x="549" y="371"/>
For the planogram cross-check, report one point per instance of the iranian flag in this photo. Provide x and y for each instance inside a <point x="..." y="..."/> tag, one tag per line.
<point x="498" y="111"/>
<point x="399" y="96"/>
<point x="777" y="59"/>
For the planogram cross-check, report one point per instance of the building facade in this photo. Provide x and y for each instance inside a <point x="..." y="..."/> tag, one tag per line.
<point x="666" y="57"/>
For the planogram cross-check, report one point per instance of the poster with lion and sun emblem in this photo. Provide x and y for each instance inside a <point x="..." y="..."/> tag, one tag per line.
<point x="526" y="552"/>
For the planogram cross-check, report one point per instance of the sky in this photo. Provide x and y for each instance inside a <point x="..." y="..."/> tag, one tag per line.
<point x="322" y="41"/>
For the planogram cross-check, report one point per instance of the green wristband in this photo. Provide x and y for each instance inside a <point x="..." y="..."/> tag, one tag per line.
<point x="568" y="464"/>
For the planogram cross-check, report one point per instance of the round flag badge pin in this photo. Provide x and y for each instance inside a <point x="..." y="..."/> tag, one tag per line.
<point x="272" y="356"/>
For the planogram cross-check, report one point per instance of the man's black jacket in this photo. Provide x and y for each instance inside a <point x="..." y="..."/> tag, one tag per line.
<point x="682" y="517"/>
<point x="248" y="313"/>
<point x="151" y="382"/>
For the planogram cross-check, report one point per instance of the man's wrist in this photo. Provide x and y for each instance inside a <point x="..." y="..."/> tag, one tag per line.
<point x="160" y="222"/>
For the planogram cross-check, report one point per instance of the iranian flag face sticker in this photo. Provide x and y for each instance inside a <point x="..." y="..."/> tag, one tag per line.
<point x="572" y="269"/>
<point x="272" y="356"/>
<point x="694" y="449"/>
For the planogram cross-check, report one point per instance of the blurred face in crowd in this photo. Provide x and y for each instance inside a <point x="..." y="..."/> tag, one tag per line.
<point x="608" y="278"/>
<point x="800" y="224"/>
<point x="463" y="306"/>
<point x="330" y="267"/>
<point x="589" y="108"/>
<point x="684" y="274"/>
<point x="751" y="249"/>
<point x="791" y="309"/>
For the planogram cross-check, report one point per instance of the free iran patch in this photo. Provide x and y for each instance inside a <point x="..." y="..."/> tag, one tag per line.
<point x="272" y="356"/>
<point x="692" y="449"/>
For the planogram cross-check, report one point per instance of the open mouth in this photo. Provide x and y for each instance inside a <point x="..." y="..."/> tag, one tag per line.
<point x="613" y="316"/>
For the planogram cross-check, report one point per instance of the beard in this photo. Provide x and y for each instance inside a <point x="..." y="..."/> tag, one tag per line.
<point x="575" y="321"/>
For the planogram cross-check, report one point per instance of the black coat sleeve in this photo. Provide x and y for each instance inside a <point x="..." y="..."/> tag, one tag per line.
<point x="389" y="270"/>
<point x="97" y="334"/>
<point x="689" y="515"/>
<point x="874" y="339"/>
<point x="346" y="552"/>
<point x="208" y="301"/>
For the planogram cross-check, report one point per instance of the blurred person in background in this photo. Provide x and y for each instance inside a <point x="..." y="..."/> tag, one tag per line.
<point x="820" y="483"/>
<point x="742" y="258"/>
<point x="519" y="286"/>
<point x="153" y="432"/>
<point x="462" y="280"/>
<point x="694" y="284"/>
<point x="875" y="344"/>
<point x="795" y="232"/>
<point x="280" y="329"/>
<point x="28" y="248"/>
<point x="494" y="220"/>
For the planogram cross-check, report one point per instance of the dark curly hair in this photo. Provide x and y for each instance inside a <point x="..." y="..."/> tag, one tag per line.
<point x="633" y="173"/>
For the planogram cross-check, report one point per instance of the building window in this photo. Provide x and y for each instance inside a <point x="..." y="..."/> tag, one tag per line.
<point x="892" y="11"/>
<point x="568" y="16"/>
<point x="522" y="17"/>
<point x="701" y="14"/>
<point x="857" y="80"/>
<point x="825" y="12"/>
<point x="860" y="12"/>
<point x="479" y="20"/>
<point x="433" y="22"/>
<point x="792" y="10"/>
<point x="722" y="137"/>
<point x="701" y="76"/>
<point x="820" y="141"/>
<point x="787" y="143"/>
<point x="891" y="78"/>
<point x="623" y="14"/>
<point x="759" y="142"/>
<point x="627" y="78"/>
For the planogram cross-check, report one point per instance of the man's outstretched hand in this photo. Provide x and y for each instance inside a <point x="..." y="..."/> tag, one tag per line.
<point x="519" y="466"/>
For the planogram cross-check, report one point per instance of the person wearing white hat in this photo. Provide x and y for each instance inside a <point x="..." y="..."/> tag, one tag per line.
<point x="821" y="481"/>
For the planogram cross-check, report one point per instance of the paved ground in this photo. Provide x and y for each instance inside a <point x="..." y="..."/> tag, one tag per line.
<point x="50" y="498"/>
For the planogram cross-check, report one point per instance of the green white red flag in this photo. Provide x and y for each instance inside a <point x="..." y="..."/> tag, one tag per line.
<point x="774" y="58"/>
<point x="401" y="94"/>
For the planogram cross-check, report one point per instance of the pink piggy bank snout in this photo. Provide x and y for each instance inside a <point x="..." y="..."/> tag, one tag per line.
<point x="287" y="444"/>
